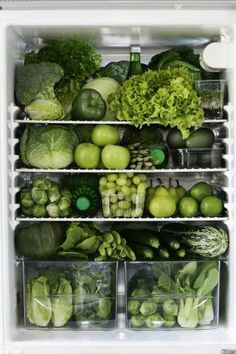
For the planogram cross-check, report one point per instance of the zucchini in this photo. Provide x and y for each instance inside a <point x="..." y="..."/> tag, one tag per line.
<point x="142" y="251"/>
<point x="145" y="237"/>
<point x="203" y="241"/>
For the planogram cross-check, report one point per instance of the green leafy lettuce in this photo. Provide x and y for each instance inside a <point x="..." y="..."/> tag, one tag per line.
<point x="166" y="97"/>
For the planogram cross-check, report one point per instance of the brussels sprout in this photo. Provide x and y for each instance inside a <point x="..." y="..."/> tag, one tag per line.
<point x="39" y="211"/>
<point x="137" y="320"/>
<point x="66" y="193"/>
<point x="39" y="196"/>
<point x="27" y="211"/>
<point x="156" y="294"/>
<point x="169" y="321"/>
<point x="170" y="308"/>
<point x="64" y="203"/>
<point x="53" y="210"/>
<point x="140" y="292"/>
<point x="134" y="307"/>
<point x="154" y="321"/>
<point x="26" y="199"/>
<point x="104" y="308"/>
<point x="54" y="193"/>
<point x="148" y="308"/>
<point x="65" y="213"/>
<point x="42" y="183"/>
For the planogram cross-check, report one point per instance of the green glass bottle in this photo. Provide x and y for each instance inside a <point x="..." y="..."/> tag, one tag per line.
<point x="135" y="66"/>
<point x="159" y="155"/>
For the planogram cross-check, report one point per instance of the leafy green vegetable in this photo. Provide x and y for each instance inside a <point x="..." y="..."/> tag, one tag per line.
<point x="116" y="70"/>
<point x="104" y="308"/>
<point x="48" y="146"/>
<point x="77" y="58"/>
<point x="166" y="97"/>
<point x="61" y="302"/>
<point x="39" y="307"/>
<point x="37" y="81"/>
<point x="45" y="109"/>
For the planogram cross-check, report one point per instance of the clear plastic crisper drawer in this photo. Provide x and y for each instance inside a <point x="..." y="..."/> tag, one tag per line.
<point x="172" y="295"/>
<point x="198" y="157"/>
<point x="70" y="295"/>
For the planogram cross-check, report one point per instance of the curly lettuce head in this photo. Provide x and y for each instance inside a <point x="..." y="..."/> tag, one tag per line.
<point x="166" y="97"/>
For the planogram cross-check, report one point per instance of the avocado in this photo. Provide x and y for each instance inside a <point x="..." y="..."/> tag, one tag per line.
<point x="200" y="138"/>
<point x="174" y="139"/>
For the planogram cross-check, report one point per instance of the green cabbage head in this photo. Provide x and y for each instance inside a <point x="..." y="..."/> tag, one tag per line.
<point x="48" y="147"/>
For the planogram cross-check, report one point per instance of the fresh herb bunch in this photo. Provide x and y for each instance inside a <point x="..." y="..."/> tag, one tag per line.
<point x="78" y="58"/>
<point x="165" y="97"/>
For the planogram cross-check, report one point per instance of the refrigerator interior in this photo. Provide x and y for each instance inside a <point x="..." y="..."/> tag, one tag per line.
<point x="113" y="42"/>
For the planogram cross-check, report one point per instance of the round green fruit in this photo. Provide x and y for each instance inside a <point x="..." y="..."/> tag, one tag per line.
<point x="201" y="190"/>
<point x="115" y="157"/>
<point x="105" y="134"/>
<point x="188" y="207"/>
<point x="211" y="206"/>
<point x="87" y="155"/>
<point x="162" y="206"/>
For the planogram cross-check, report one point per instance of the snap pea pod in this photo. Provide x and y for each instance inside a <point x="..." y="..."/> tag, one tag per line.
<point x="117" y="237"/>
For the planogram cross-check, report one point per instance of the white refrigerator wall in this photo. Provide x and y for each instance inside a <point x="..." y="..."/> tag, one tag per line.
<point x="116" y="31"/>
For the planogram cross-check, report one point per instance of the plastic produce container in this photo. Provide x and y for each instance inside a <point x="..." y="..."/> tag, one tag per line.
<point x="172" y="295"/>
<point x="211" y="93"/>
<point x="197" y="157"/>
<point x="123" y="205"/>
<point x="69" y="295"/>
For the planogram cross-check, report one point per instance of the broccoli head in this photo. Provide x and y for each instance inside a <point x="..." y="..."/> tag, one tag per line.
<point x="37" y="81"/>
<point x="116" y="70"/>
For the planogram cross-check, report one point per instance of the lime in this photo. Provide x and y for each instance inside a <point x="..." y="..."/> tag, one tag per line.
<point x="188" y="207"/>
<point x="211" y="206"/>
<point x="201" y="190"/>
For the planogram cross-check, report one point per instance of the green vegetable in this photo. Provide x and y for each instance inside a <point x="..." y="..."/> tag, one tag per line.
<point x="134" y="307"/>
<point x="61" y="302"/>
<point x="206" y="312"/>
<point x="142" y="236"/>
<point x="37" y="81"/>
<point x="105" y="86"/>
<point x="148" y="308"/>
<point x="53" y="194"/>
<point x="53" y="210"/>
<point x="142" y="251"/>
<point x="39" y="196"/>
<point x="146" y="135"/>
<point x="137" y="320"/>
<point x="170" y="307"/>
<point x="39" y="307"/>
<point x="166" y="97"/>
<point x="154" y="321"/>
<point x="116" y="70"/>
<point x="26" y="198"/>
<point x="45" y="109"/>
<point x="140" y="292"/>
<point x="39" y="240"/>
<point x="64" y="203"/>
<point x="42" y="183"/>
<point x="39" y="211"/>
<point x="48" y="146"/>
<point x="169" y="321"/>
<point x="88" y="105"/>
<point x="104" y="308"/>
<point x="202" y="241"/>
<point x="66" y="92"/>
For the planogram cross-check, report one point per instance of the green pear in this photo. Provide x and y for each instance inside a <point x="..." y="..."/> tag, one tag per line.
<point x="161" y="191"/>
<point x="172" y="191"/>
<point x="149" y="195"/>
<point x="180" y="190"/>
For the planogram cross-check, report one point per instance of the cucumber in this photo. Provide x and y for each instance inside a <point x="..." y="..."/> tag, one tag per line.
<point x="142" y="252"/>
<point x="200" y="138"/>
<point x="144" y="237"/>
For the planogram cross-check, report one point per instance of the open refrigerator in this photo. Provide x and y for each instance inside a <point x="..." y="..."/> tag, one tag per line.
<point x="113" y="27"/>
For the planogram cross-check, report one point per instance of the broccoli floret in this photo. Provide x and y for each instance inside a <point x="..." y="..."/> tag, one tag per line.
<point x="37" y="81"/>
<point x="116" y="70"/>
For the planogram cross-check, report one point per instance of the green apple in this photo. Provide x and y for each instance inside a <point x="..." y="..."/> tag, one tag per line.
<point x="115" y="157"/>
<point x="105" y="134"/>
<point x="87" y="155"/>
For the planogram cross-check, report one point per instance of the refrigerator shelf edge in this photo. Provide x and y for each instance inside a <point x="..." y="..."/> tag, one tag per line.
<point x="94" y="122"/>
<point x="103" y="171"/>
<point x="146" y="219"/>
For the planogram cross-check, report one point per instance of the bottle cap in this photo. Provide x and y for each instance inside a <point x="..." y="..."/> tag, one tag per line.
<point x="83" y="203"/>
<point x="135" y="49"/>
<point x="158" y="156"/>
